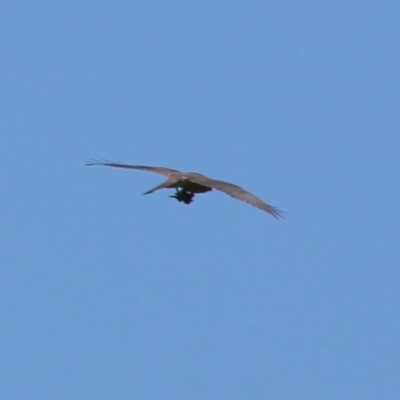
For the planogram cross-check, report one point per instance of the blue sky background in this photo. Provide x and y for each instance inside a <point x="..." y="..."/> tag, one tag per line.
<point x="108" y="294"/>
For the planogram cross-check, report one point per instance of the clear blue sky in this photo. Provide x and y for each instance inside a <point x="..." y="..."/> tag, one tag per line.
<point x="108" y="294"/>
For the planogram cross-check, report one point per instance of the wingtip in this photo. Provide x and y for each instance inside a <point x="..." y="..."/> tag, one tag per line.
<point x="278" y="214"/>
<point x="92" y="161"/>
<point x="95" y="161"/>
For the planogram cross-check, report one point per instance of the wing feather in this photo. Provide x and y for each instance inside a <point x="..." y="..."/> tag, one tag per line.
<point x="156" y="170"/>
<point x="238" y="193"/>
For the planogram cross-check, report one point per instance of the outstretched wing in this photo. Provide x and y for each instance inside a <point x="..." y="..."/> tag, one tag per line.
<point x="238" y="193"/>
<point x="156" y="170"/>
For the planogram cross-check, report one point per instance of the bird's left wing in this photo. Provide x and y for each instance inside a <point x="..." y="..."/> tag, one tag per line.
<point x="157" y="170"/>
<point x="237" y="192"/>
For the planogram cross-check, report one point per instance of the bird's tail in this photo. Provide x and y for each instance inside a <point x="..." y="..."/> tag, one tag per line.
<point x="158" y="187"/>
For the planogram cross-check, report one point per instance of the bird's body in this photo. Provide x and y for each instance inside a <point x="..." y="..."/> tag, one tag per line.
<point x="187" y="184"/>
<point x="185" y="181"/>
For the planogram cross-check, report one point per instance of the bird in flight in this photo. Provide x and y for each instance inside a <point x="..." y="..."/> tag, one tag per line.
<point x="187" y="184"/>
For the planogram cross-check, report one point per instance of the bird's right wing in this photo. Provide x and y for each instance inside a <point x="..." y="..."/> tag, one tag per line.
<point x="237" y="192"/>
<point x="156" y="170"/>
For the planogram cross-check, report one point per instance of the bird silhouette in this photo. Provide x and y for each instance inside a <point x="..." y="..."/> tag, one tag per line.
<point x="187" y="184"/>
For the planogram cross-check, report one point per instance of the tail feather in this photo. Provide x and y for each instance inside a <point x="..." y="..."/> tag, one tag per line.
<point x="158" y="187"/>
